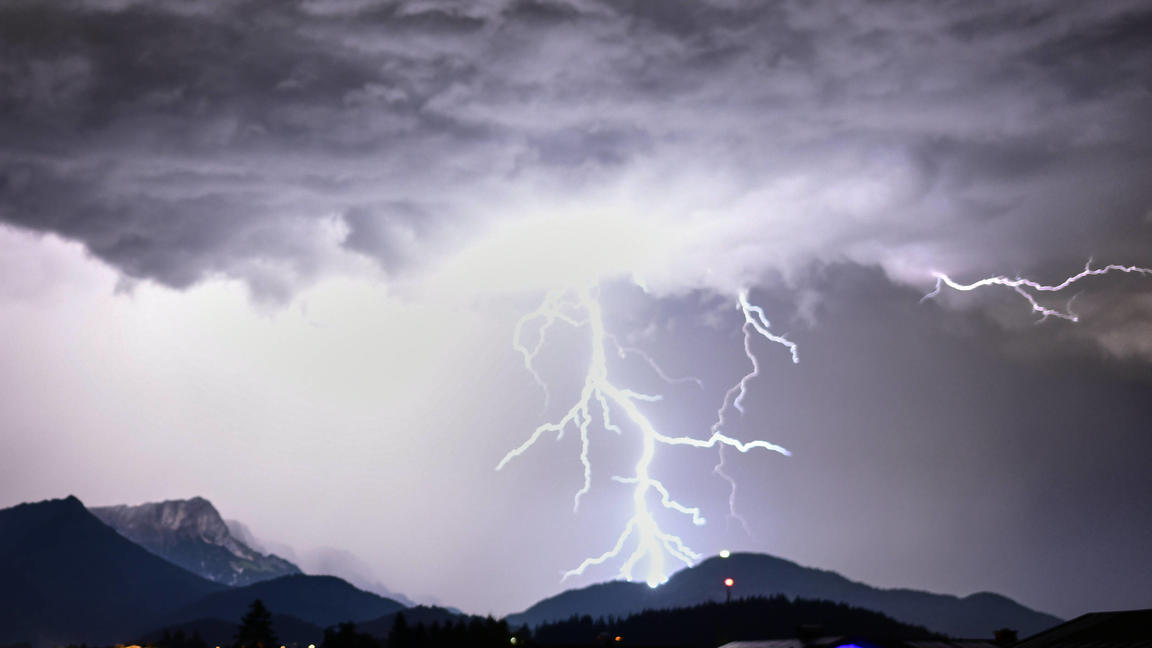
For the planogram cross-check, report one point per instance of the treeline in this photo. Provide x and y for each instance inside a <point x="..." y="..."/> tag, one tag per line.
<point x="713" y="624"/>
<point x="474" y="632"/>
<point x="709" y="624"/>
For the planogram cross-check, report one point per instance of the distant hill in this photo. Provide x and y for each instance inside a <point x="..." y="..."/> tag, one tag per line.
<point x="319" y="600"/>
<point x="191" y="534"/>
<point x="713" y="624"/>
<point x="321" y="561"/>
<point x="978" y="615"/>
<point x="69" y="578"/>
<point x="346" y="565"/>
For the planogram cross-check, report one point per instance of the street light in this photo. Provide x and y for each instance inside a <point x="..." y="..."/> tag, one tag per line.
<point x="728" y="583"/>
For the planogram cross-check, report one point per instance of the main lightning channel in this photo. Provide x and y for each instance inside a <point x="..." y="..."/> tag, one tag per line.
<point x="653" y="546"/>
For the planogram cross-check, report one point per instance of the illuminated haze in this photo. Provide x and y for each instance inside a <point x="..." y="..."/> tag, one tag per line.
<point x="273" y="254"/>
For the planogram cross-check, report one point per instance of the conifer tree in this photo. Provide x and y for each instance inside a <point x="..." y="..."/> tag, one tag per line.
<point x="255" y="629"/>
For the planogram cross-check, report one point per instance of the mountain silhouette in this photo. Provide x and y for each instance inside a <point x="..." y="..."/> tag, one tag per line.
<point x="191" y="534"/>
<point x="978" y="615"/>
<point x="69" y="578"/>
<point x="319" y="600"/>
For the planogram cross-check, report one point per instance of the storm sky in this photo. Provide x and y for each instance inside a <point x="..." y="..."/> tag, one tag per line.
<point x="272" y="253"/>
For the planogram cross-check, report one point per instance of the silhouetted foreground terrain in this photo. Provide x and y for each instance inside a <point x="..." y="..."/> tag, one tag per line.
<point x="712" y="624"/>
<point x="748" y="623"/>
<point x="68" y="578"/>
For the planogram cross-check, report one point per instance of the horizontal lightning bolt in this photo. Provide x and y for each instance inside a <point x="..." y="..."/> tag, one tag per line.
<point x="1022" y="287"/>
<point x="652" y="544"/>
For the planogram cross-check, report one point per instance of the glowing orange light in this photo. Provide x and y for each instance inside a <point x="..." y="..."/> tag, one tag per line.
<point x="617" y="637"/>
<point x="728" y="582"/>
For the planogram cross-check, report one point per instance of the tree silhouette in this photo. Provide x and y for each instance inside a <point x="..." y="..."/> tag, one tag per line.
<point x="346" y="636"/>
<point x="401" y="635"/>
<point x="473" y="632"/>
<point x="255" y="629"/>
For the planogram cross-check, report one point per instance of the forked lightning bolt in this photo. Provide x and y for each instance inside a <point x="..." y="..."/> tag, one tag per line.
<point x="599" y="395"/>
<point x="1026" y="287"/>
<point x="755" y="323"/>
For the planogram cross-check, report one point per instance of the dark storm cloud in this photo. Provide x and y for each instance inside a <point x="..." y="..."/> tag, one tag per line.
<point x="180" y="146"/>
<point x="263" y="140"/>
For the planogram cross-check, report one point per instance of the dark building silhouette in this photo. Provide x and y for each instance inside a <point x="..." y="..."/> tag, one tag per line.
<point x="858" y="642"/>
<point x="1128" y="629"/>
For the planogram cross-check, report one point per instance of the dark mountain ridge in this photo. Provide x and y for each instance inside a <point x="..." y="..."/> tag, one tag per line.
<point x="68" y="578"/>
<point x="319" y="600"/>
<point x="977" y="615"/>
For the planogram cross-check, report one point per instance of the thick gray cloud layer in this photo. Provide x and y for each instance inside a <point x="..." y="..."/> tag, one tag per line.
<point x="265" y="140"/>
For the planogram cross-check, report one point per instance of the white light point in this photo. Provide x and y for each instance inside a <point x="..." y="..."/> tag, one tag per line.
<point x="1023" y="286"/>
<point x="652" y="544"/>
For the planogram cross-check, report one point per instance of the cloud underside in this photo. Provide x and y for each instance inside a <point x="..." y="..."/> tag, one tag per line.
<point x="687" y="145"/>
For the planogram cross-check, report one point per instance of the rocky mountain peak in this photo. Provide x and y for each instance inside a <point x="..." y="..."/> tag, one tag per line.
<point x="192" y="534"/>
<point x="171" y="519"/>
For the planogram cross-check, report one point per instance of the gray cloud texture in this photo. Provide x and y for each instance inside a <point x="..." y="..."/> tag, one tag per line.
<point x="274" y="142"/>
